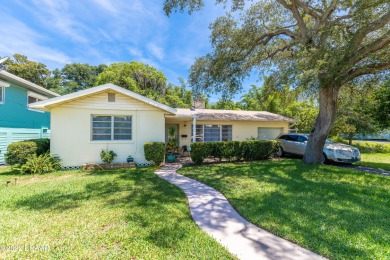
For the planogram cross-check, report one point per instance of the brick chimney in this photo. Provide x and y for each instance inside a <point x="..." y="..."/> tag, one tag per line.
<point x="199" y="102"/>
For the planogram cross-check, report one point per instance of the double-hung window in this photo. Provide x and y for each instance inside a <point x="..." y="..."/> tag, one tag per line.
<point x="213" y="133"/>
<point x="111" y="128"/>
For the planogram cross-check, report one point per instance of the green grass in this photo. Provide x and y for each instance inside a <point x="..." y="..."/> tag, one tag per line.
<point x="122" y="214"/>
<point x="336" y="212"/>
<point x="376" y="160"/>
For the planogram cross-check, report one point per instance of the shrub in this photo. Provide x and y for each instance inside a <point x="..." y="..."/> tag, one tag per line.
<point x="43" y="163"/>
<point x="246" y="150"/>
<point x="18" y="152"/>
<point x="154" y="151"/>
<point x="366" y="146"/>
<point x="216" y="149"/>
<point x="43" y="145"/>
<point x="231" y="150"/>
<point x="107" y="156"/>
<point x="199" y="151"/>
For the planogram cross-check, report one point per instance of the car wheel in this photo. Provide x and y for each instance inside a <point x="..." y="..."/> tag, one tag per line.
<point x="280" y="152"/>
<point x="324" y="159"/>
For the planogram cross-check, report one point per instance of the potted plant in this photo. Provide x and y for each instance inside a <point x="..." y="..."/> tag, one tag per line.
<point x="130" y="159"/>
<point x="172" y="145"/>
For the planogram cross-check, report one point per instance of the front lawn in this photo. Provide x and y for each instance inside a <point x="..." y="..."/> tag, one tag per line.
<point x="122" y="214"/>
<point x="376" y="160"/>
<point x="336" y="212"/>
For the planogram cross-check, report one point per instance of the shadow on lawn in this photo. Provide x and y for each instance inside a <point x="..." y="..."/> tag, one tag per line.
<point x="151" y="202"/>
<point x="317" y="206"/>
<point x="9" y="171"/>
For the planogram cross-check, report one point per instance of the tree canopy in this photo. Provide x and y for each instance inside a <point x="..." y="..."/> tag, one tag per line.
<point x="319" y="45"/>
<point x="135" y="76"/>
<point x="32" y="71"/>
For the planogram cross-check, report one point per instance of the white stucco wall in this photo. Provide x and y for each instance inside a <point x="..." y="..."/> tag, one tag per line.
<point x="71" y="129"/>
<point x="241" y="130"/>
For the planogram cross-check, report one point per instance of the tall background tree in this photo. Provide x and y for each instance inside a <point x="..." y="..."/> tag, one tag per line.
<point x="321" y="45"/>
<point x="135" y="76"/>
<point x="147" y="81"/>
<point x="32" y="71"/>
<point x="381" y="110"/>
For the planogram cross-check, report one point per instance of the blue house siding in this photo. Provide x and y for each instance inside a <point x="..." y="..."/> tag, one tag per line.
<point x="17" y="122"/>
<point x="10" y="135"/>
<point x="15" y="114"/>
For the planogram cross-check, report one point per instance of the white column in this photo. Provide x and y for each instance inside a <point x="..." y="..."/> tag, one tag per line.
<point x="194" y="129"/>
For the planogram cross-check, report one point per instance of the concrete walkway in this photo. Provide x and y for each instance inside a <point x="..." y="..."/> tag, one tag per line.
<point x="214" y="215"/>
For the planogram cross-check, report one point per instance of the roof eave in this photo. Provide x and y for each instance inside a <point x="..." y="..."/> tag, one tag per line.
<point x="50" y="103"/>
<point x="27" y="84"/>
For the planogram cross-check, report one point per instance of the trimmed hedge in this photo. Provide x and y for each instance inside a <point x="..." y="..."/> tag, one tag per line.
<point x="234" y="150"/>
<point x="43" y="145"/>
<point x="18" y="152"/>
<point x="366" y="146"/>
<point x="155" y="151"/>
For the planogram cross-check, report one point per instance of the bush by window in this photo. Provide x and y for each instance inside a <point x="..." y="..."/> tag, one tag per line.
<point x="107" y="156"/>
<point x="236" y="150"/>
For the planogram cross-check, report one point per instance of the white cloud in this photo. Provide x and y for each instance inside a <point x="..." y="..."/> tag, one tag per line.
<point x="135" y="52"/>
<point x="17" y="37"/>
<point x="148" y="61"/>
<point x="156" y="51"/>
<point x="57" y="17"/>
<point x="107" y="5"/>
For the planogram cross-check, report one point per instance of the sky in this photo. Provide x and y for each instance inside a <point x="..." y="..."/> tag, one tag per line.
<point x="57" y="32"/>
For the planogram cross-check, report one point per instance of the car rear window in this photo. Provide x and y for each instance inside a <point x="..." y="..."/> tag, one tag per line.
<point x="301" y="139"/>
<point x="291" y="138"/>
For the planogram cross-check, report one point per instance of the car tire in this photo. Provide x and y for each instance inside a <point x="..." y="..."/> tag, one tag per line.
<point x="324" y="159"/>
<point x="280" y="152"/>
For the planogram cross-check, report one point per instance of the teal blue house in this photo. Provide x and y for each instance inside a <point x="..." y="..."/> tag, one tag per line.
<point x="17" y="121"/>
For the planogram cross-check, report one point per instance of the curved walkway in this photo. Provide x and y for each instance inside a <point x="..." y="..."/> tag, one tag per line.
<point x="213" y="213"/>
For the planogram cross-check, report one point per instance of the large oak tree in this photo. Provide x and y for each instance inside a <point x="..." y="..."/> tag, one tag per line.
<point x="319" y="44"/>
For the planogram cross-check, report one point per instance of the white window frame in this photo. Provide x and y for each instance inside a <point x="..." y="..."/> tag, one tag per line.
<point x="2" y="90"/>
<point x="220" y="131"/>
<point x="112" y="129"/>
<point x="260" y="127"/>
<point x="34" y="95"/>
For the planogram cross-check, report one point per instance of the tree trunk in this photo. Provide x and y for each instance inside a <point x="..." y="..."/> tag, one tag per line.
<point x="323" y="125"/>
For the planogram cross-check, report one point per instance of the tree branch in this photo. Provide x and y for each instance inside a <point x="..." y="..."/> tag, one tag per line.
<point x="362" y="33"/>
<point x="329" y="10"/>
<point x="287" y="47"/>
<point x="297" y="17"/>
<point x="370" y="48"/>
<point x="307" y="9"/>
<point x="367" y="69"/>
<point x="339" y="19"/>
<point x="265" y="38"/>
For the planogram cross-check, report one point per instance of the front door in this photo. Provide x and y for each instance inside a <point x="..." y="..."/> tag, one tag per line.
<point x="167" y="131"/>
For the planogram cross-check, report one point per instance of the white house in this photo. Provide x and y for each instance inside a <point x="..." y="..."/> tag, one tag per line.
<point x="111" y="117"/>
